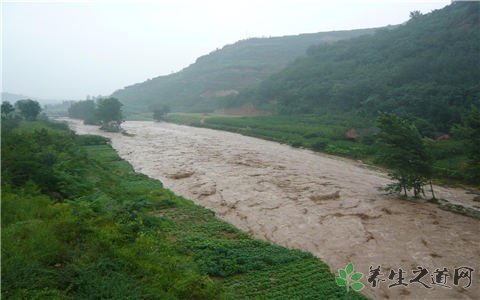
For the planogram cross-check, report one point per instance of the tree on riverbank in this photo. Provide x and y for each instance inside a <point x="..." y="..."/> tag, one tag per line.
<point x="7" y="108"/>
<point x="472" y="143"/>
<point x="84" y="110"/>
<point x="160" y="113"/>
<point x="28" y="109"/>
<point x="109" y="113"/>
<point x="106" y="112"/>
<point x="405" y="153"/>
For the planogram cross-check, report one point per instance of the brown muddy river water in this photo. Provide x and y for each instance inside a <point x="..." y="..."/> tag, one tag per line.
<point x="323" y="204"/>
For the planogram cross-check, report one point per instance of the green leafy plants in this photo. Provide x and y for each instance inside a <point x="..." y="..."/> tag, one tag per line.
<point x="117" y="234"/>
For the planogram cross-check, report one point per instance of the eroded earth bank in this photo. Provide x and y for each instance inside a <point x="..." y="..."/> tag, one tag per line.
<point x="296" y="198"/>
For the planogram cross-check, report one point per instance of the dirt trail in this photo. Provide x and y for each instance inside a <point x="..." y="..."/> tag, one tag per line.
<point x="296" y="198"/>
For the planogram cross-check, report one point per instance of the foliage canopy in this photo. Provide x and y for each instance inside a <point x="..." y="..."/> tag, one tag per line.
<point x="28" y="109"/>
<point x="404" y="151"/>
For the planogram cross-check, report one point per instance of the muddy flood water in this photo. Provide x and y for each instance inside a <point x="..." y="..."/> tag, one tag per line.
<point x="296" y="198"/>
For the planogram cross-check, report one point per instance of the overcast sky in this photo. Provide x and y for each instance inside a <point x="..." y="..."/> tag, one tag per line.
<point x="73" y="49"/>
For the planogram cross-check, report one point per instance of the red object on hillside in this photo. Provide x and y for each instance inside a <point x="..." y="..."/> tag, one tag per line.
<point x="351" y="134"/>
<point x="443" y="137"/>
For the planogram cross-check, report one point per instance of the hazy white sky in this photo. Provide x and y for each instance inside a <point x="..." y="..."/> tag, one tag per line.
<point x="70" y="49"/>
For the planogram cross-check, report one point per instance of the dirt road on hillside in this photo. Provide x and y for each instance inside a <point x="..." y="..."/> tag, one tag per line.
<point x="296" y="198"/>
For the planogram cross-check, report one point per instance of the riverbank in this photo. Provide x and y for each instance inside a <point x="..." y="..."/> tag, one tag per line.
<point x="346" y="135"/>
<point x="296" y="198"/>
<point x="86" y="226"/>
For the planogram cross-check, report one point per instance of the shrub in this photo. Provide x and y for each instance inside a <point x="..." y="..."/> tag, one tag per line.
<point x="319" y="144"/>
<point x="90" y="140"/>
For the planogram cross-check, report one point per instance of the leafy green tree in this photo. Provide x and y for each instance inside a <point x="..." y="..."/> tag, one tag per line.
<point x="84" y="110"/>
<point x="28" y="108"/>
<point x="7" y="108"/>
<point x="415" y="14"/>
<point x="109" y="113"/>
<point x="160" y="112"/>
<point x="404" y="151"/>
<point x="9" y="119"/>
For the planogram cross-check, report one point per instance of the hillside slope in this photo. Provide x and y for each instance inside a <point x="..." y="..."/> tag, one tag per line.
<point x="225" y="71"/>
<point x="428" y="67"/>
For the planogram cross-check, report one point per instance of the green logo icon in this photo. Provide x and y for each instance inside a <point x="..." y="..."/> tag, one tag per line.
<point x="349" y="278"/>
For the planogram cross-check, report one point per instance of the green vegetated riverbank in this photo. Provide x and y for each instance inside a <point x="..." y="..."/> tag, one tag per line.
<point x="328" y="133"/>
<point x="78" y="222"/>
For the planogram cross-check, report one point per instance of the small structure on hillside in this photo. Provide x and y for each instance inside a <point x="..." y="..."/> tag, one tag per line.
<point x="351" y="134"/>
<point x="360" y="133"/>
<point x="441" y="136"/>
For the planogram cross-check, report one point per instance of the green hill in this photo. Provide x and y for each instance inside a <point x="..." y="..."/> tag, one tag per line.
<point x="427" y="68"/>
<point x="200" y="86"/>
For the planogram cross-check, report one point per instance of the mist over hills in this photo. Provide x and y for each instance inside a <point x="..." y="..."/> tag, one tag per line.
<point x="12" y="98"/>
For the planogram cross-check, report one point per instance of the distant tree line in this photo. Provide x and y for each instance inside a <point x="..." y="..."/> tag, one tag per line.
<point x="105" y="112"/>
<point x="26" y="109"/>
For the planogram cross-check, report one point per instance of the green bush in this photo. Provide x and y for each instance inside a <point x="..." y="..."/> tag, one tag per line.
<point x="90" y="140"/>
<point x="319" y="144"/>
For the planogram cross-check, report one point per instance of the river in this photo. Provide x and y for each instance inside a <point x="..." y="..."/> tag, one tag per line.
<point x="329" y="206"/>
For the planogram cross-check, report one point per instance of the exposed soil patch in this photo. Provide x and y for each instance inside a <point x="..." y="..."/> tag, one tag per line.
<point x="296" y="198"/>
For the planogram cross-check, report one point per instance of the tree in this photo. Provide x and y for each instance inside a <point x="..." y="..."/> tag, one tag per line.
<point x="160" y="112"/>
<point x="109" y="113"/>
<point x="28" y="108"/>
<point x="84" y="110"/>
<point x="7" y="108"/>
<point x="404" y="151"/>
<point x="9" y="119"/>
<point x="415" y="14"/>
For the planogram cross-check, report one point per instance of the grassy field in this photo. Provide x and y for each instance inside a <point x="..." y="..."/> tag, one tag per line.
<point x="326" y="133"/>
<point x="102" y="231"/>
